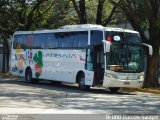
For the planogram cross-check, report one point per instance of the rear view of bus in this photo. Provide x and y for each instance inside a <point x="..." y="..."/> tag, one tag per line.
<point x="125" y="60"/>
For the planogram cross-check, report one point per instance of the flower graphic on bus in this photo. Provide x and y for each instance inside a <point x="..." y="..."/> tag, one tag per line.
<point x="21" y="63"/>
<point x="82" y="58"/>
<point x="29" y="57"/>
<point x="38" y="63"/>
<point x="19" y="56"/>
<point x="19" y="67"/>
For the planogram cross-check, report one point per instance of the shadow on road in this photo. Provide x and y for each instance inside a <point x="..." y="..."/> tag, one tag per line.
<point x="16" y="93"/>
<point x="53" y="85"/>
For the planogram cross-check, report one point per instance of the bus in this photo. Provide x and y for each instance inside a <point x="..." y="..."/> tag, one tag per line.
<point x="89" y="55"/>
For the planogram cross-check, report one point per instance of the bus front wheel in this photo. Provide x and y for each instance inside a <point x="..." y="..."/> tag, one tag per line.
<point x="82" y="85"/>
<point x="114" y="89"/>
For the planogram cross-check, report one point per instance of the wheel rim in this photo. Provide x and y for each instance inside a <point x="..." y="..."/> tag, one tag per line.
<point x="28" y="76"/>
<point x="159" y="76"/>
<point x="82" y="82"/>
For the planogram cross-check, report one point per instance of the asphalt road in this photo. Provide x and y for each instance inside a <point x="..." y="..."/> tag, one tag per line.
<point x="19" y="97"/>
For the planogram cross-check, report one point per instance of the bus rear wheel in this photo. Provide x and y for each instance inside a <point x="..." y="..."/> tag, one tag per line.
<point x="114" y="89"/>
<point x="28" y="76"/>
<point x="82" y="85"/>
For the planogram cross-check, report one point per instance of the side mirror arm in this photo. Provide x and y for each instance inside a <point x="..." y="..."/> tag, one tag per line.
<point x="150" y="48"/>
<point x="106" y="46"/>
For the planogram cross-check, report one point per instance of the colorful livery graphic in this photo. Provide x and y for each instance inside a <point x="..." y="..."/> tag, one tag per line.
<point x="90" y="55"/>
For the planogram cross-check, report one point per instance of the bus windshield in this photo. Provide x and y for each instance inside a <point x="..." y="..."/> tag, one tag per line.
<point x="126" y="53"/>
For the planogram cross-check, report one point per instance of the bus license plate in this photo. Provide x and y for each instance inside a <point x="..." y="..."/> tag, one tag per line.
<point x="126" y="83"/>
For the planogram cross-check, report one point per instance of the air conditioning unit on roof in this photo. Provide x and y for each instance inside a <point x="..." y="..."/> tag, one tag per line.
<point x="81" y="26"/>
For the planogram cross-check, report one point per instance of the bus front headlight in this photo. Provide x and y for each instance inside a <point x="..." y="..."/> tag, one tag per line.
<point x="141" y="77"/>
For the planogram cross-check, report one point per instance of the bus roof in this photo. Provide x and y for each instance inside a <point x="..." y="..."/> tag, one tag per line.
<point x="81" y="27"/>
<point x="119" y="30"/>
<point x="66" y="28"/>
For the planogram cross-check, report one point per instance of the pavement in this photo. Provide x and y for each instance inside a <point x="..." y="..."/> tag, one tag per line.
<point x="19" y="97"/>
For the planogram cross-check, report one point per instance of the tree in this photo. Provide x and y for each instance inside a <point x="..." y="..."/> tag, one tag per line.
<point x="62" y="13"/>
<point x="24" y="15"/>
<point x="80" y="10"/>
<point x="94" y="11"/>
<point x="144" y="15"/>
<point x="20" y="15"/>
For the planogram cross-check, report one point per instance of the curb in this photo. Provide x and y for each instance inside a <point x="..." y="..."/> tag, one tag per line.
<point x="145" y="90"/>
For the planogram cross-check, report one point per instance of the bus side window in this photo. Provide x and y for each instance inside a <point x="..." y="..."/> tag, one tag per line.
<point x="96" y="37"/>
<point x="29" y="41"/>
<point x="65" y="40"/>
<point x="51" y="41"/>
<point x="90" y="59"/>
<point x="80" y="39"/>
<point x="39" y="41"/>
<point x="19" y="42"/>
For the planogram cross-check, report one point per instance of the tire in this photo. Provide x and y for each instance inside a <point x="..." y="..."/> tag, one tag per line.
<point x="56" y="83"/>
<point x="82" y="85"/>
<point x="34" y="80"/>
<point x="28" y="76"/>
<point x="114" y="89"/>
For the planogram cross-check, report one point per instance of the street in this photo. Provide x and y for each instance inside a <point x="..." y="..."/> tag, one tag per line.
<point x="19" y="97"/>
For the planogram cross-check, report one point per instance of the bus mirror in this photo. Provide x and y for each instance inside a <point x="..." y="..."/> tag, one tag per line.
<point x="150" y="48"/>
<point x="106" y="46"/>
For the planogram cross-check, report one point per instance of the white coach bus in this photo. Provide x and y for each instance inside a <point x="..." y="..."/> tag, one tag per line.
<point x="90" y="55"/>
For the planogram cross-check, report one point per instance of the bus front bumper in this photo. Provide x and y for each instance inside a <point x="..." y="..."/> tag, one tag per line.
<point x="115" y="82"/>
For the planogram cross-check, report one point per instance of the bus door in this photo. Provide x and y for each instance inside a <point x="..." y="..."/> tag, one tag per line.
<point x="89" y="73"/>
<point x="98" y="64"/>
<point x="95" y="65"/>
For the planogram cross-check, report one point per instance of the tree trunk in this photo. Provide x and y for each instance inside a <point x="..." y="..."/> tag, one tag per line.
<point x="81" y="11"/>
<point x="109" y="18"/>
<point x="99" y="12"/>
<point x="7" y="53"/>
<point x="82" y="8"/>
<point x="152" y="69"/>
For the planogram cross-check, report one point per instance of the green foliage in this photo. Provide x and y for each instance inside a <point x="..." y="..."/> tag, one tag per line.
<point x="44" y="14"/>
<point x="24" y="15"/>
<point x="91" y="7"/>
<point x="61" y="14"/>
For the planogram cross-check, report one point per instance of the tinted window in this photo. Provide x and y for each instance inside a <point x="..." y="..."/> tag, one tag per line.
<point x="112" y="34"/>
<point x="29" y="41"/>
<point x="65" y="40"/>
<point x="19" y="42"/>
<point x="96" y="37"/>
<point x="133" y="38"/>
<point x="39" y="41"/>
<point x="80" y="39"/>
<point x="130" y="38"/>
<point x="51" y="41"/>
